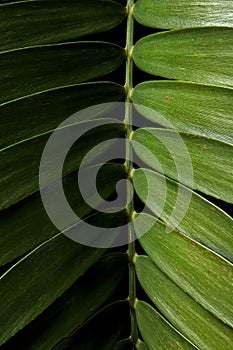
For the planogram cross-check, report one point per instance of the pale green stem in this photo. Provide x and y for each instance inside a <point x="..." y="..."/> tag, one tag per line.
<point x="129" y="167"/>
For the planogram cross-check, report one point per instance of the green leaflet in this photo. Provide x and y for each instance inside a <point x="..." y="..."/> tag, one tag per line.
<point x="27" y="225"/>
<point x="41" y="22"/>
<point x="50" y="66"/>
<point x="192" y="320"/>
<point x="197" y="270"/>
<point x="212" y="160"/>
<point x="36" y="114"/>
<point x="42" y="276"/>
<point x="102" y="331"/>
<point x="195" y="54"/>
<point x="180" y="13"/>
<point x="19" y="171"/>
<point x="200" y="109"/>
<point x="198" y="220"/>
<point x="74" y="306"/>
<point x="157" y="332"/>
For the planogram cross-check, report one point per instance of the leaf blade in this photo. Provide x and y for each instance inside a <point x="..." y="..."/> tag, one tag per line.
<point x="44" y="111"/>
<point x="197" y="222"/>
<point x="165" y="337"/>
<point x="201" y="55"/>
<point x="25" y="23"/>
<point x="198" y="271"/>
<point x="211" y="159"/>
<point x="75" y="306"/>
<point x="42" y="275"/>
<point x="51" y="66"/>
<point x="180" y="14"/>
<point x="196" y="108"/>
<point x="200" y="327"/>
<point x="27" y="225"/>
<point x="36" y="293"/>
<point x="19" y="172"/>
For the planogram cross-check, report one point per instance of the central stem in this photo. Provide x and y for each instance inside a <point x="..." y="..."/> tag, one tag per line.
<point x="129" y="167"/>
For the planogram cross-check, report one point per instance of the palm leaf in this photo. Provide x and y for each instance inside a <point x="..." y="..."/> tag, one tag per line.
<point x="56" y="293"/>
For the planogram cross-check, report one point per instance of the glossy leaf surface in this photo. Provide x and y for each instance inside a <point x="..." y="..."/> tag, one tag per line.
<point x="212" y="160"/>
<point x="196" y="108"/>
<point x="196" y="221"/>
<point x="50" y="66"/>
<point x="198" y="271"/>
<point x="192" y="320"/>
<point x="181" y="13"/>
<point x="74" y="306"/>
<point x="27" y="225"/>
<point x="201" y="55"/>
<point x="25" y="23"/>
<point x="39" y="113"/>
<point x="19" y="172"/>
<point x="41" y="277"/>
<point x="156" y="331"/>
